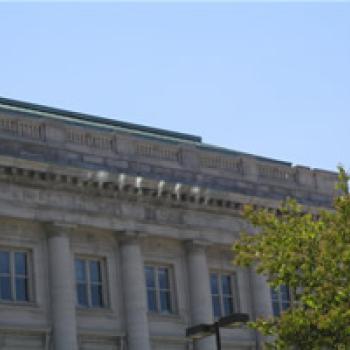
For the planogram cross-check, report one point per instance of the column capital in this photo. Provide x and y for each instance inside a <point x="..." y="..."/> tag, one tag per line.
<point x="57" y="228"/>
<point x="129" y="236"/>
<point x="199" y="245"/>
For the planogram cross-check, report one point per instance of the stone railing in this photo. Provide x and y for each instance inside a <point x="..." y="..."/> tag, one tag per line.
<point x="157" y="151"/>
<point x="214" y="161"/>
<point x="90" y="139"/>
<point x="280" y="173"/>
<point x="22" y="128"/>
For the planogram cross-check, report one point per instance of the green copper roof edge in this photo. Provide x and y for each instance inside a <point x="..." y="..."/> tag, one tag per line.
<point x="239" y="153"/>
<point x="99" y="121"/>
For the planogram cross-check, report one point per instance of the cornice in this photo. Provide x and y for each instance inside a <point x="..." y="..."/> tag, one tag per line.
<point x="124" y="186"/>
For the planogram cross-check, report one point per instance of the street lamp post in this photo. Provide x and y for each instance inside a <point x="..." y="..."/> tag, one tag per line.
<point x="205" y="330"/>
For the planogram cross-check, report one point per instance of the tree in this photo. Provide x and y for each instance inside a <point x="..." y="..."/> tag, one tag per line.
<point x="310" y="254"/>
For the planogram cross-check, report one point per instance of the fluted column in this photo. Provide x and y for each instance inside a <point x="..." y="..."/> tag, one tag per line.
<point x="62" y="288"/>
<point x="262" y="300"/>
<point x="199" y="289"/>
<point x="134" y="290"/>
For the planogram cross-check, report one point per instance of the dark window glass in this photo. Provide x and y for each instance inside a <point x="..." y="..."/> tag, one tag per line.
<point x="158" y="289"/>
<point x="13" y="276"/>
<point x="226" y="284"/>
<point x="228" y="306"/>
<point x="285" y="306"/>
<point x="163" y="278"/>
<point x="80" y="270"/>
<point x="216" y="306"/>
<point x="152" y="300"/>
<point x="82" y="294"/>
<point x="285" y="293"/>
<point x="221" y="292"/>
<point x="5" y="288"/>
<point x="21" y="289"/>
<point x="276" y="308"/>
<point x="214" y="283"/>
<point x="165" y="301"/>
<point x="150" y="280"/>
<point x="89" y="283"/>
<point x="4" y="262"/>
<point x="281" y="299"/>
<point x="274" y="293"/>
<point x="95" y="271"/>
<point x="96" y="295"/>
<point x="21" y="263"/>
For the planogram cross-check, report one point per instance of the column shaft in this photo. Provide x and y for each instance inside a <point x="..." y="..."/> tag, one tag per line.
<point x="134" y="296"/>
<point x="262" y="301"/>
<point x="62" y="293"/>
<point x="200" y="294"/>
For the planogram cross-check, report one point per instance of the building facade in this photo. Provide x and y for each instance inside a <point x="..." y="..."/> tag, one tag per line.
<point x="118" y="236"/>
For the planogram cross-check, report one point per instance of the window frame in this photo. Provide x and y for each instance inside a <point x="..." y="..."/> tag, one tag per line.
<point x="234" y="291"/>
<point x="13" y="275"/>
<point x="157" y="289"/>
<point x="104" y="282"/>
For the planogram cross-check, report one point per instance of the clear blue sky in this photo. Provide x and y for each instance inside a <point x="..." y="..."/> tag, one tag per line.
<point x="270" y="79"/>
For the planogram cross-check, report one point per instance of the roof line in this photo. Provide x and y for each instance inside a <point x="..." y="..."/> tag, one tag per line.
<point x="231" y="152"/>
<point x="100" y="120"/>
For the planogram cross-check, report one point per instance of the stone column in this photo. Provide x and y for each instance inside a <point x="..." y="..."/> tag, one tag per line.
<point x="199" y="289"/>
<point x="134" y="290"/>
<point x="62" y="288"/>
<point x="244" y="290"/>
<point x="261" y="300"/>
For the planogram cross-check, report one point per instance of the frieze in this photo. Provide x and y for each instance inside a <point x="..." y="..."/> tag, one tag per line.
<point x="22" y="128"/>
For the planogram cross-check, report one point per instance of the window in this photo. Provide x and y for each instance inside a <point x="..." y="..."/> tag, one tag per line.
<point x="222" y="287"/>
<point x="159" y="289"/>
<point x="90" y="283"/>
<point x="281" y="299"/>
<point x="14" y="276"/>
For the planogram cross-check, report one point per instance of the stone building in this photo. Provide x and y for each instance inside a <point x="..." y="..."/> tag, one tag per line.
<point x="118" y="236"/>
